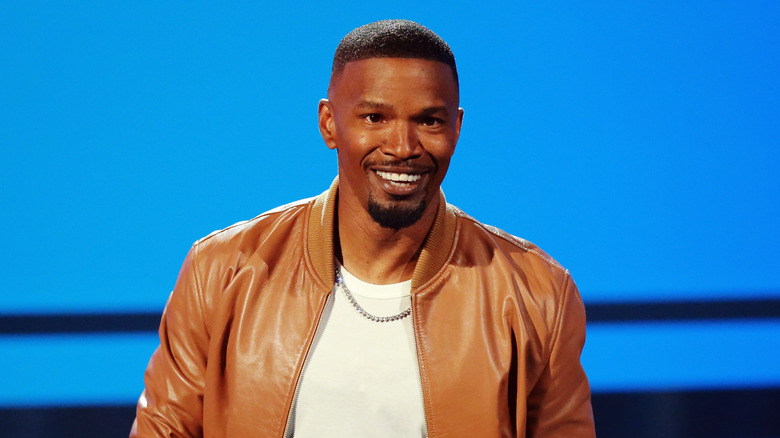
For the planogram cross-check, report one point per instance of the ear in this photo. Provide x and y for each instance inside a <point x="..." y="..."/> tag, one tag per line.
<point x="458" y="124"/>
<point x="327" y="123"/>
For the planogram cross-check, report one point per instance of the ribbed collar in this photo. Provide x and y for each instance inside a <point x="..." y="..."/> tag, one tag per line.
<point x="320" y="231"/>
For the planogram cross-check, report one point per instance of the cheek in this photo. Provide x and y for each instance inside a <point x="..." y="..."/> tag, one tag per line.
<point x="441" y="149"/>
<point x="365" y="140"/>
<point x="359" y="143"/>
<point x="351" y="160"/>
<point x="442" y="156"/>
<point x="443" y="166"/>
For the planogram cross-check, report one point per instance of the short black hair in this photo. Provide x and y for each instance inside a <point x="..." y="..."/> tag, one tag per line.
<point x="392" y="39"/>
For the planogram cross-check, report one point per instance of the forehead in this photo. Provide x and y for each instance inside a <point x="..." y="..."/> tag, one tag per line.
<point x="395" y="77"/>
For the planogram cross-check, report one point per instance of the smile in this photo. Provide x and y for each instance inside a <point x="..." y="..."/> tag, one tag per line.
<point x="399" y="179"/>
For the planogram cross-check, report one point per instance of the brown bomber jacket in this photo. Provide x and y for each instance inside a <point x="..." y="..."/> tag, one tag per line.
<point x="499" y="327"/>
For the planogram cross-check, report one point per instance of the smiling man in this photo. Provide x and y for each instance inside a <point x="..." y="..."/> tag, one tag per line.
<point x="376" y="308"/>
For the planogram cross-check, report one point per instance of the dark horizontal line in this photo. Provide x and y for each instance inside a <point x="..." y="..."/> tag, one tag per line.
<point x="597" y="312"/>
<point x="683" y="310"/>
<point x="730" y="413"/>
<point x="79" y="323"/>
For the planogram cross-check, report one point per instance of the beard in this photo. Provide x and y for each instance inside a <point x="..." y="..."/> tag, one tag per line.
<point x="396" y="215"/>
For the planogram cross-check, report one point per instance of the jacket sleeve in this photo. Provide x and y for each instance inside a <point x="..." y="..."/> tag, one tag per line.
<point x="171" y="404"/>
<point x="559" y="404"/>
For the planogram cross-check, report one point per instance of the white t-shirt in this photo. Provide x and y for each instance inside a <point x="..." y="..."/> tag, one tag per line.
<point x="361" y="377"/>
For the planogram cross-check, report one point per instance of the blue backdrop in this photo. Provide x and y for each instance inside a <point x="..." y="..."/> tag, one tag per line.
<point x="639" y="144"/>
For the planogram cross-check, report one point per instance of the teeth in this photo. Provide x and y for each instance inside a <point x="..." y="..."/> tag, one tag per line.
<point x="399" y="177"/>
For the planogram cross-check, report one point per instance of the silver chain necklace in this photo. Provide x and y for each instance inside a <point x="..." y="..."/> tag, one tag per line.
<point x="362" y="311"/>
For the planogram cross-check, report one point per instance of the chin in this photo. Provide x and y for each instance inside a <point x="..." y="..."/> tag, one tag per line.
<point x="396" y="214"/>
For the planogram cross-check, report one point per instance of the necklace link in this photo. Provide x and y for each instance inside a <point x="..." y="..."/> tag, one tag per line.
<point x="340" y="281"/>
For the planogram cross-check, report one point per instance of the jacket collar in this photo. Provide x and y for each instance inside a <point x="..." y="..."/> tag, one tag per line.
<point x="319" y="238"/>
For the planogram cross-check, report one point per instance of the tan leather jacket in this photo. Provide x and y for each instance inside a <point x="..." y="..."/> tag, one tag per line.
<point x="499" y="327"/>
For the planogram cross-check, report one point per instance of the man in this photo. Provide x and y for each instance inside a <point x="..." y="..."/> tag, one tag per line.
<point x="375" y="308"/>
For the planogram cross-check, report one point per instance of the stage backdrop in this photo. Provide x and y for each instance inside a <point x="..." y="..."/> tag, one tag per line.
<point x="638" y="144"/>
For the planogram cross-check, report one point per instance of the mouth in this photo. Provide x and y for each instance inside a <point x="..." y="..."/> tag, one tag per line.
<point x="399" y="179"/>
<point x="401" y="184"/>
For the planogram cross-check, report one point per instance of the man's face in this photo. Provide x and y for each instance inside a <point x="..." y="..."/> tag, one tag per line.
<point x="395" y="123"/>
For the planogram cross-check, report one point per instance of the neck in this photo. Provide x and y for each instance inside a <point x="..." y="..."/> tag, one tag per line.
<point x="375" y="254"/>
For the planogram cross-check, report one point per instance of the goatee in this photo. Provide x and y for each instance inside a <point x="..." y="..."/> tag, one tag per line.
<point x="397" y="215"/>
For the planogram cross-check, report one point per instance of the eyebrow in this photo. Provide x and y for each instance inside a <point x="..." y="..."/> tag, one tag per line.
<point x="368" y="104"/>
<point x="433" y="110"/>
<point x="373" y="105"/>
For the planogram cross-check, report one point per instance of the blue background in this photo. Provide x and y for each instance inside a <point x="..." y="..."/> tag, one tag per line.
<point x="638" y="144"/>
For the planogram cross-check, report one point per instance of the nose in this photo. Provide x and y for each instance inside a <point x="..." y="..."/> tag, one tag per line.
<point x="403" y="141"/>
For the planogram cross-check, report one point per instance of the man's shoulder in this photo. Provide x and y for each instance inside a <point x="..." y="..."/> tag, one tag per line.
<point x="248" y="232"/>
<point x="517" y="248"/>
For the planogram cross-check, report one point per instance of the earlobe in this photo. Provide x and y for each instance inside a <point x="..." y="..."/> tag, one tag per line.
<point x="327" y="123"/>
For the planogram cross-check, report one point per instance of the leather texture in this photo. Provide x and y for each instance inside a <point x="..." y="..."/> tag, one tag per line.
<point x="499" y="328"/>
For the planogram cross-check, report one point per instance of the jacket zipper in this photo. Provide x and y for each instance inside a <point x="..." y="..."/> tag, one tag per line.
<point x="419" y="366"/>
<point x="311" y="348"/>
<point x="309" y="351"/>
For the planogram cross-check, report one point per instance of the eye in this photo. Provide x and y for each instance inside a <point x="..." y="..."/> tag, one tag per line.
<point x="372" y="118"/>
<point x="431" y="121"/>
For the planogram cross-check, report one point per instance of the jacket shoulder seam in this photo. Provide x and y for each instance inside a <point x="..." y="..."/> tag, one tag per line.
<point x="518" y="242"/>
<point x="199" y="288"/>
<point x="273" y="212"/>
<point x="561" y="304"/>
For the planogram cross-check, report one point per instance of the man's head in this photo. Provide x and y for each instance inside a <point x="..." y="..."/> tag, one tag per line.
<point x="392" y="113"/>
<point x="391" y="39"/>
